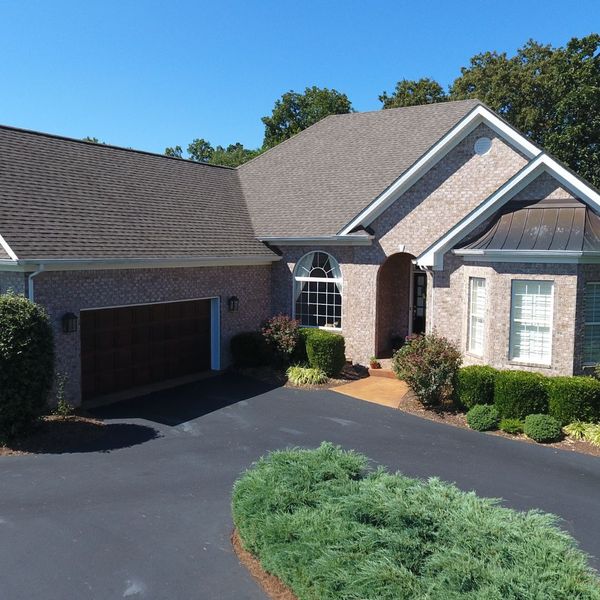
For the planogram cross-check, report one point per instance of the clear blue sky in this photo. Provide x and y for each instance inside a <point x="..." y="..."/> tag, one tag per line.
<point x="153" y="73"/>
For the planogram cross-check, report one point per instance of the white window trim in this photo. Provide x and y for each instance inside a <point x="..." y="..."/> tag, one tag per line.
<point x="470" y="315"/>
<point x="338" y="280"/>
<point x="520" y="361"/>
<point x="585" y="324"/>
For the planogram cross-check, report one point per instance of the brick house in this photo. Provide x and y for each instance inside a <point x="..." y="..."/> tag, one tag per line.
<point x="376" y="225"/>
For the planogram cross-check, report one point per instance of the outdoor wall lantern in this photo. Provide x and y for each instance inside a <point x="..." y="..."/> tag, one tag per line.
<point x="233" y="304"/>
<point x="69" y="323"/>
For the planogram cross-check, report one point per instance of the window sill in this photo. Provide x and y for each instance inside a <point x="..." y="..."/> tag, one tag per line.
<point x="322" y="328"/>
<point x="520" y="363"/>
<point x="473" y="355"/>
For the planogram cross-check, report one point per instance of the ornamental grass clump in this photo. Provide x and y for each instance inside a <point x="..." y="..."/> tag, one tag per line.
<point x="588" y="432"/>
<point x="512" y="426"/>
<point x="298" y="375"/>
<point x="429" y="364"/>
<point x="331" y="528"/>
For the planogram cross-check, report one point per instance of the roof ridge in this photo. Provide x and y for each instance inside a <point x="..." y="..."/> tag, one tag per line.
<point x="407" y="108"/>
<point x="475" y="101"/>
<point x="109" y="146"/>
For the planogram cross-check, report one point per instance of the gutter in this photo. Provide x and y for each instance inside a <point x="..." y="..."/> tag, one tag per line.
<point x="30" y="292"/>
<point x="327" y="240"/>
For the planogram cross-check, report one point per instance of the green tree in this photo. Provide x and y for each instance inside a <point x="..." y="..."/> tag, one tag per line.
<point x="174" y="151"/>
<point x="294" y="112"/>
<point x="413" y="92"/>
<point x="93" y="140"/>
<point x="550" y="94"/>
<point x="199" y="150"/>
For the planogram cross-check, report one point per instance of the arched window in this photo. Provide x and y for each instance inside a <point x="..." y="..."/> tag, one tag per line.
<point x="318" y="291"/>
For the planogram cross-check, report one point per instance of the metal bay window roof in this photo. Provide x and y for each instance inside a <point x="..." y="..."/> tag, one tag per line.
<point x="538" y="225"/>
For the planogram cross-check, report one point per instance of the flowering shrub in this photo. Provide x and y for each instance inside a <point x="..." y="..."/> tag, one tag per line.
<point x="282" y="334"/>
<point x="429" y="364"/>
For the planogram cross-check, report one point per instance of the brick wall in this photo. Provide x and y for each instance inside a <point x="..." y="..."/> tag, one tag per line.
<point x="451" y="189"/>
<point x="448" y="310"/>
<point x="71" y="291"/>
<point x="11" y="280"/>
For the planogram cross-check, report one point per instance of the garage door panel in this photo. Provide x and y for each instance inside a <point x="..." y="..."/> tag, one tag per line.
<point x="131" y="346"/>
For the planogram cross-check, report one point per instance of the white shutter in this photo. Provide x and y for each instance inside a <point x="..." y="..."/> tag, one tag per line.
<point x="591" y="339"/>
<point x="477" y="302"/>
<point x="531" y="321"/>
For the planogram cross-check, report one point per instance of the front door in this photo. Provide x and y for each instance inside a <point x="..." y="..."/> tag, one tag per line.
<point x="419" y="302"/>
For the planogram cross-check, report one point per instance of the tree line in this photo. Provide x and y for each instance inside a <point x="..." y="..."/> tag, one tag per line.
<point x="551" y="94"/>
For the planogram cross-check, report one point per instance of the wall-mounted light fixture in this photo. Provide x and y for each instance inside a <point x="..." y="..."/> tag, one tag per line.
<point x="69" y="322"/>
<point x="233" y="303"/>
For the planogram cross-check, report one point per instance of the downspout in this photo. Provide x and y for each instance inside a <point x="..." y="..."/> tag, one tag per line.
<point x="30" y="293"/>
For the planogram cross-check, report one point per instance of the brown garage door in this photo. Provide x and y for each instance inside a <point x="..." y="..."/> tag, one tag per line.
<point x="131" y="346"/>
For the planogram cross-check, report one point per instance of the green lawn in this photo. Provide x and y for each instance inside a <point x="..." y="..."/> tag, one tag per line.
<point x="330" y="528"/>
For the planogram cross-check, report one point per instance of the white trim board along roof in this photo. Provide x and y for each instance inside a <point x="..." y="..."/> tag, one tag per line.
<point x="433" y="257"/>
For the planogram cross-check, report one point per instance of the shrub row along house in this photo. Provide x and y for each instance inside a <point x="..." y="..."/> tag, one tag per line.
<point x="376" y="225"/>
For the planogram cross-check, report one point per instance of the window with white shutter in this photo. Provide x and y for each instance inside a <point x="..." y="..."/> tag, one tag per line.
<point x="477" y="301"/>
<point x="591" y="339"/>
<point x="531" y="321"/>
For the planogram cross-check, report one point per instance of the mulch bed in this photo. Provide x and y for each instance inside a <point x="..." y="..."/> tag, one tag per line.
<point x="271" y="585"/>
<point x="450" y="416"/>
<point x="278" y="378"/>
<point x="54" y="434"/>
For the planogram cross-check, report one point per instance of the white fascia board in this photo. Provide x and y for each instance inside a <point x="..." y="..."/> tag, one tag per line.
<point x="433" y="256"/>
<point x="480" y="114"/>
<point x="331" y="240"/>
<point x="7" y="248"/>
<point x="110" y="264"/>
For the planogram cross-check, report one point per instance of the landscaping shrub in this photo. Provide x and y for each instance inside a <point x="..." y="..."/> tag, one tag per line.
<point x="512" y="426"/>
<point x="281" y="334"/>
<point x="326" y="351"/>
<point x="26" y="364"/>
<point x="520" y="393"/>
<point x="249" y="349"/>
<point x="299" y="375"/>
<point x="476" y="385"/>
<point x="429" y="364"/>
<point x="574" y="399"/>
<point x="330" y="529"/>
<point x="542" y="428"/>
<point x="483" y="417"/>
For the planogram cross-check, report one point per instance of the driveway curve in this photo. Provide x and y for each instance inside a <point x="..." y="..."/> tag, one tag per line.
<point x="150" y="518"/>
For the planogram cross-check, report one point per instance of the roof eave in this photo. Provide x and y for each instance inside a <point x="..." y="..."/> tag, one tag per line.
<point x="68" y="264"/>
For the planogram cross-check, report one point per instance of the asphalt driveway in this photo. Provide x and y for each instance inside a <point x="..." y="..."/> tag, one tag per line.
<point x="147" y="516"/>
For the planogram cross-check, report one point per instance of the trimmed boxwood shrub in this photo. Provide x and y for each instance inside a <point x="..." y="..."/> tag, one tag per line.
<point x="520" y="393"/>
<point x="429" y="364"/>
<point x="513" y="426"/>
<point x="574" y="399"/>
<point x="483" y="417"/>
<point x="542" y="428"/>
<point x="26" y="364"/>
<point x="476" y="385"/>
<point x="325" y="350"/>
<point x="249" y="349"/>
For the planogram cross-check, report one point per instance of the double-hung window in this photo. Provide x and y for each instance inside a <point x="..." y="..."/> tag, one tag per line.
<point x="531" y="322"/>
<point x="477" y="302"/>
<point x="591" y="337"/>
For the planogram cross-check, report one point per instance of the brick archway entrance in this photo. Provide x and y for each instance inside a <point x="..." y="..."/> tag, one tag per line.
<point x="393" y="302"/>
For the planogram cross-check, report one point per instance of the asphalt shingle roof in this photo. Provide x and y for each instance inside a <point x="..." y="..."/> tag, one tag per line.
<point x="66" y="199"/>
<point x="316" y="182"/>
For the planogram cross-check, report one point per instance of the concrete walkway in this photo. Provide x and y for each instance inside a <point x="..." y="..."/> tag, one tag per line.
<point x="151" y="518"/>
<point x="379" y="389"/>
